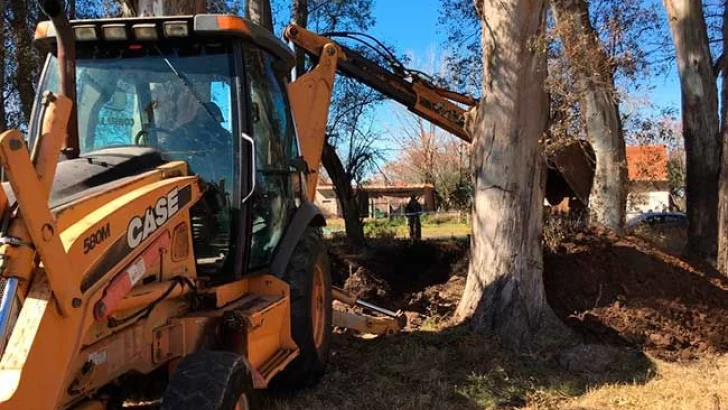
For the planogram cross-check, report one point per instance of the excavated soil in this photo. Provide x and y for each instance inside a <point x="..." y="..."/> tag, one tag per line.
<point x="423" y="279"/>
<point x="624" y="291"/>
<point x="619" y="291"/>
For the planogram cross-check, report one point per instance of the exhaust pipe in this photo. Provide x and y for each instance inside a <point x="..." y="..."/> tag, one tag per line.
<point x="259" y="12"/>
<point x="55" y="11"/>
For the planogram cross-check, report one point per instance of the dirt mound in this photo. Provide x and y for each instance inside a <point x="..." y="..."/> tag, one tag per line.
<point x="620" y="291"/>
<point x="624" y="291"/>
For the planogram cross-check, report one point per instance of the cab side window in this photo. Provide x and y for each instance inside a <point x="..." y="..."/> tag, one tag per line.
<point x="273" y="130"/>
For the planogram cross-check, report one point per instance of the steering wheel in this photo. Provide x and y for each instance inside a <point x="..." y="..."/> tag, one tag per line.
<point x="146" y="131"/>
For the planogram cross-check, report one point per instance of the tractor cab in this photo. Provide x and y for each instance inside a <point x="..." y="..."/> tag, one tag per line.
<point x="208" y="90"/>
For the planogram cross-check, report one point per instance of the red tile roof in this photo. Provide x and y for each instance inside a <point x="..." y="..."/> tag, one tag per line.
<point x="647" y="163"/>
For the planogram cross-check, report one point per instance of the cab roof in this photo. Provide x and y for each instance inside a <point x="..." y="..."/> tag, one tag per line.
<point x="129" y="29"/>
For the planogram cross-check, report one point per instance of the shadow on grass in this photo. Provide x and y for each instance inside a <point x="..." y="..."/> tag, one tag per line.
<point x="450" y="369"/>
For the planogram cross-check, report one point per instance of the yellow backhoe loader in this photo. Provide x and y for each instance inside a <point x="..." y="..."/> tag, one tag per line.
<point x="157" y="236"/>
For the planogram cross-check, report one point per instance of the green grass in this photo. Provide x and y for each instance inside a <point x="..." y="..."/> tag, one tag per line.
<point x="445" y="230"/>
<point x="335" y="225"/>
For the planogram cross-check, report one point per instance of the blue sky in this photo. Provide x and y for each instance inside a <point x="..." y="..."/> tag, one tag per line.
<point x="411" y="27"/>
<point x="667" y="89"/>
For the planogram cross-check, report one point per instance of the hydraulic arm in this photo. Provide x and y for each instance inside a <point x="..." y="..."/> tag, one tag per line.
<point x="311" y="93"/>
<point x="440" y="106"/>
<point x="570" y="166"/>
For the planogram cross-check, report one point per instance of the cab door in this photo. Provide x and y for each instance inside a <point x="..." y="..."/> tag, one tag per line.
<point x="273" y="130"/>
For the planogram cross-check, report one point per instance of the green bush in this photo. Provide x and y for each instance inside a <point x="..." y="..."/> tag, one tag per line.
<point x="384" y="228"/>
<point x="397" y="220"/>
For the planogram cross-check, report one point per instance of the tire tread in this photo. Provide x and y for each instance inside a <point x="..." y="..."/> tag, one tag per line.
<point x="207" y="380"/>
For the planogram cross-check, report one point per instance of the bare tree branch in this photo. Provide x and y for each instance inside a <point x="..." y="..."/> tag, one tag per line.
<point x="720" y="64"/>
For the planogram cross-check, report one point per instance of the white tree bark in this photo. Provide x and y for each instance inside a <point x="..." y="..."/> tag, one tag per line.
<point x="590" y="66"/>
<point x="504" y="294"/>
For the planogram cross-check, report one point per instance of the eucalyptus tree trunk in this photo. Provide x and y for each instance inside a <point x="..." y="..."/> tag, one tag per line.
<point x="504" y="294"/>
<point x="259" y="11"/>
<point x="589" y="64"/>
<point x="26" y="66"/>
<point x="169" y="7"/>
<point x="700" y="122"/>
<point x="723" y="184"/>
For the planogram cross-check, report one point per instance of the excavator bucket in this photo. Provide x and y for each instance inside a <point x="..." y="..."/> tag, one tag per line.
<point x="570" y="171"/>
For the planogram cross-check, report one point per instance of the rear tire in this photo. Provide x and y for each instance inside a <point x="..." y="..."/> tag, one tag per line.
<point x="209" y="380"/>
<point x="309" y="278"/>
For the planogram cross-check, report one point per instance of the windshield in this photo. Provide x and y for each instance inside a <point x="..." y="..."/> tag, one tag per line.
<point x="174" y="99"/>
<point x="180" y="100"/>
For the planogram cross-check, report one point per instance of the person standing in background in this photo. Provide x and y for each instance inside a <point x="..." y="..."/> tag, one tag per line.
<point x="413" y="212"/>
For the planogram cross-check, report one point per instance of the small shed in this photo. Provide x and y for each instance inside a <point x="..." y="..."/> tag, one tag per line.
<point x="378" y="200"/>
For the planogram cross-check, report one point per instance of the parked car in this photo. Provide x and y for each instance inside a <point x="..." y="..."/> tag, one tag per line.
<point x="659" y="220"/>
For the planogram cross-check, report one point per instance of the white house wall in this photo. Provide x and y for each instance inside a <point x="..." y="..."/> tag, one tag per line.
<point x="648" y="201"/>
